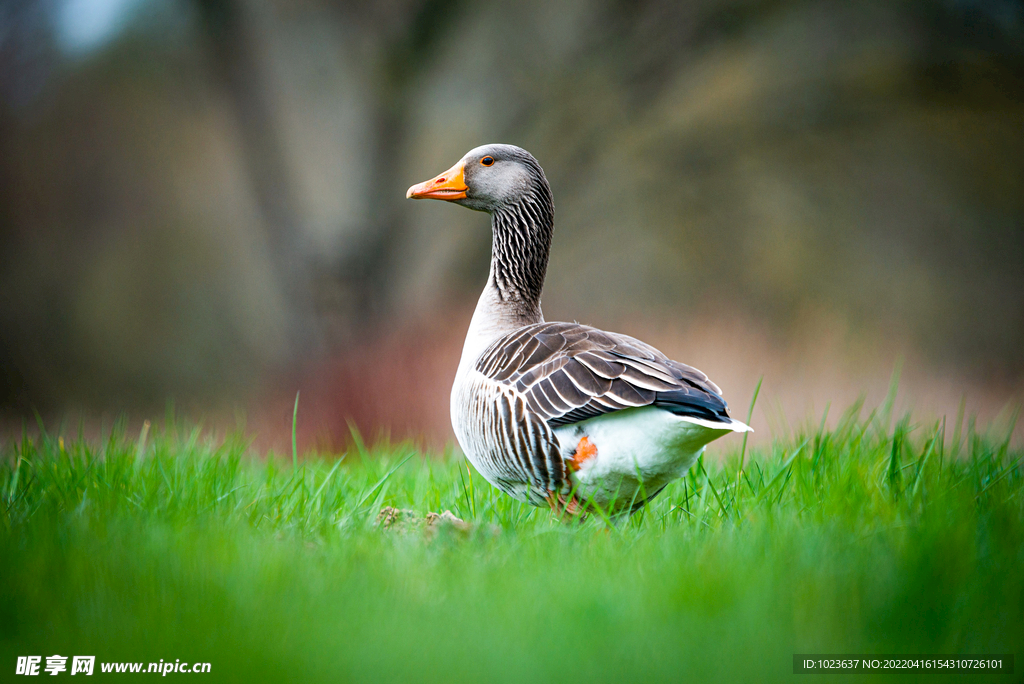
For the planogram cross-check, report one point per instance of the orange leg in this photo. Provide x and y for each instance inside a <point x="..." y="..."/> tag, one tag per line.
<point x="565" y="509"/>
<point x="584" y="450"/>
<point x="573" y="508"/>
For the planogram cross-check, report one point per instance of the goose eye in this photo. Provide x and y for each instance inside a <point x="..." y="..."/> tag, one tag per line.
<point x="487" y="161"/>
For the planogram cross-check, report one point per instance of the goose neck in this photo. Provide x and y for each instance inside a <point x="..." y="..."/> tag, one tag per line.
<point x="521" y="243"/>
<point x="520" y="246"/>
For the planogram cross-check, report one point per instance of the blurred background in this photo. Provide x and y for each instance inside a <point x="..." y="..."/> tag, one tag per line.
<point x="202" y="201"/>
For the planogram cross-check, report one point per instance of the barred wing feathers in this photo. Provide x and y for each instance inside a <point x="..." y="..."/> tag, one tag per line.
<point x="568" y="372"/>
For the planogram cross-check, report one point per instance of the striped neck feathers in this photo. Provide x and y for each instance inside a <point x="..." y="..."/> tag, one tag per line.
<point x="521" y="243"/>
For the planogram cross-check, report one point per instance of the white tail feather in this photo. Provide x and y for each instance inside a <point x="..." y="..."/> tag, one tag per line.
<point x="732" y="426"/>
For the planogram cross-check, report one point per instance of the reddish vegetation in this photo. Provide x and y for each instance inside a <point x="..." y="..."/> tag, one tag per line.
<point x="395" y="387"/>
<point x="399" y="385"/>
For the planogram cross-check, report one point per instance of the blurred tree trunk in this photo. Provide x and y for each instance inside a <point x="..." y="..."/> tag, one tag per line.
<point x="237" y="56"/>
<point x="12" y="382"/>
<point x="394" y="41"/>
<point x="401" y="38"/>
<point x="26" y="63"/>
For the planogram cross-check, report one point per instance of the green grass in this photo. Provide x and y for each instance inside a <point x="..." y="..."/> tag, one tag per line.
<point x="867" y="538"/>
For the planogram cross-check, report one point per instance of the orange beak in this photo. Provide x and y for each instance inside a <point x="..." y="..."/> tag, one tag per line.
<point x="450" y="185"/>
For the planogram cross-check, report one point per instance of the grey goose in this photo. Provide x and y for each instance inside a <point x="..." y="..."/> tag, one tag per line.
<point x="561" y="414"/>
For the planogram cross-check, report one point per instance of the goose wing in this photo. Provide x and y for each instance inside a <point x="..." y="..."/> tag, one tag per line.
<point x="567" y="372"/>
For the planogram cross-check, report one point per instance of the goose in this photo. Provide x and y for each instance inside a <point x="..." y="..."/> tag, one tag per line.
<point x="561" y="414"/>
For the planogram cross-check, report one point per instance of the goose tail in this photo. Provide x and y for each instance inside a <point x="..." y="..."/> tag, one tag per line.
<point x="725" y="424"/>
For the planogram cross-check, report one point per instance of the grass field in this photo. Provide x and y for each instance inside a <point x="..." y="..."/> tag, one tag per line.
<point x="877" y="536"/>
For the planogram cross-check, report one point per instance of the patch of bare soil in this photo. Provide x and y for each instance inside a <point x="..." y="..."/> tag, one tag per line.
<point x="404" y="521"/>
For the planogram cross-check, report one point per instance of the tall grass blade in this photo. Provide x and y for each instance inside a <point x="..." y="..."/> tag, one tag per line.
<point x="750" y="415"/>
<point x="782" y="471"/>
<point x="140" y="449"/>
<point x="295" y="448"/>
<point x="954" y="449"/>
<point x="381" y="481"/>
<point x="885" y="415"/>
<point x="714" y="491"/>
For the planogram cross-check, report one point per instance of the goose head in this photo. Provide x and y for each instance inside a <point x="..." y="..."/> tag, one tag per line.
<point x="488" y="178"/>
